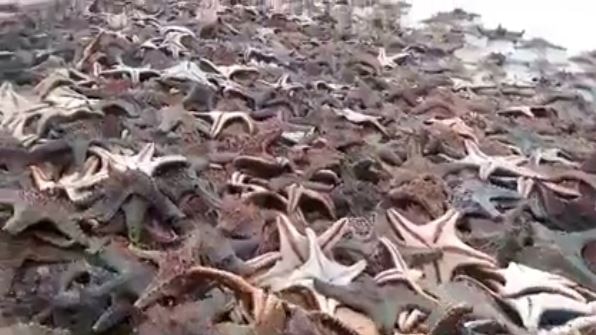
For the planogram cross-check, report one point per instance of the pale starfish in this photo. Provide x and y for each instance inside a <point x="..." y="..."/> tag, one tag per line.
<point x="16" y="128"/>
<point x="221" y="118"/>
<point x="78" y="184"/>
<point x="187" y="70"/>
<point x="360" y="118"/>
<point x="488" y="165"/>
<point x="230" y="71"/>
<point x="136" y="74"/>
<point x="13" y="104"/>
<point x="440" y="234"/>
<point x="401" y="273"/>
<point x="531" y="307"/>
<point x="142" y="161"/>
<point x="319" y="267"/>
<point x="535" y="280"/>
<point x="297" y="191"/>
<point x="390" y="61"/>
<point x="293" y="251"/>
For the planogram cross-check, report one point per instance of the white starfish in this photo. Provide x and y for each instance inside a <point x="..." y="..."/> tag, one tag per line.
<point x="76" y="184"/>
<point x="390" y="61"/>
<point x="293" y="251"/>
<point x="142" y="161"/>
<point x="487" y="165"/>
<point x="187" y="70"/>
<point x="322" y="268"/>
<point x="359" y="118"/>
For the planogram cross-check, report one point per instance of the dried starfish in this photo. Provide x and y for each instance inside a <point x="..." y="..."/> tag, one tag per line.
<point x="488" y="165"/>
<point x="473" y="196"/>
<point x="320" y="267"/>
<point x="221" y="118"/>
<point x="440" y="234"/>
<point x="293" y="251"/>
<point x="206" y="245"/>
<point x="77" y="184"/>
<point x="135" y="74"/>
<point x="143" y="161"/>
<point x="31" y="207"/>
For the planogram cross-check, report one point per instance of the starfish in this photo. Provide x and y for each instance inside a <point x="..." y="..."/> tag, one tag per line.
<point x="389" y="62"/>
<point x="358" y="118"/>
<point x="303" y="187"/>
<point x="283" y="84"/>
<point x="562" y="253"/>
<point x="77" y="184"/>
<point x="136" y="74"/>
<point x="488" y="165"/>
<point x="533" y="307"/>
<point x="293" y="251"/>
<point x="318" y="266"/>
<point x="473" y="196"/>
<point x="143" y="161"/>
<point x="31" y="207"/>
<point x="535" y="281"/>
<point x="142" y="191"/>
<point x="15" y="251"/>
<point x="131" y="278"/>
<point x="220" y="118"/>
<point x="187" y="71"/>
<point x="457" y="125"/>
<point x="230" y="71"/>
<point x="440" y="234"/>
<point x="13" y="104"/>
<point x="205" y="245"/>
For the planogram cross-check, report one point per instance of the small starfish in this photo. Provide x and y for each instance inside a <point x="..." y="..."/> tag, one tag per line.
<point x="440" y="234"/>
<point x="203" y="245"/>
<point x="488" y="165"/>
<point x="117" y="190"/>
<point x="135" y="74"/>
<point x="13" y="104"/>
<point x="359" y="118"/>
<point x="283" y="84"/>
<point x="221" y="118"/>
<point x="187" y="71"/>
<point x="390" y="62"/>
<point x="143" y="161"/>
<point x="230" y="71"/>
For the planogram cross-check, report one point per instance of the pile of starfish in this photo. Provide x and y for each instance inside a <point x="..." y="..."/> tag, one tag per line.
<point x="227" y="168"/>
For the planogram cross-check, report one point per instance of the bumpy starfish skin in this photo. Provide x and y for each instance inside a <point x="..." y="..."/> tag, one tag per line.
<point x="31" y="207"/>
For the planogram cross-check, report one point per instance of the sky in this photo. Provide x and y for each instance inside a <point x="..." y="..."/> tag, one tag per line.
<point x="569" y="23"/>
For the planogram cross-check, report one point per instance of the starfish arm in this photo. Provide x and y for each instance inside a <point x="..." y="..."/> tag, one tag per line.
<point x="135" y="210"/>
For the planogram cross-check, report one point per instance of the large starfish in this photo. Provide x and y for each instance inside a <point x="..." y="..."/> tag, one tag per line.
<point x="487" y="165"/>
<point x="221" y="118"/>
<point x="318" y="266"/>
<point x="293" y="251"/>
<point x="440" y="234"/>
<point x="205" y="245"/>
<point x="31" y="207"/>
<point x="77" y="184"/>
<point x="143" y="161"/>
